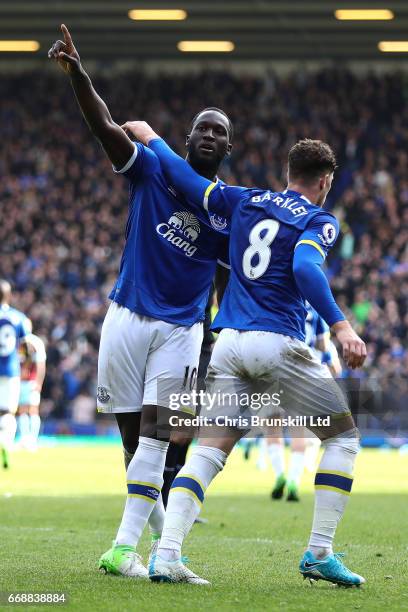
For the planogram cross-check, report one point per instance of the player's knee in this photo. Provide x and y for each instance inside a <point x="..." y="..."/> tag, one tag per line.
<point x="216" y="456"/>
<point x="181" y="438"/>
<point x="127" y="457"/>
<point x="130" y="449"/>
<point x="130" y="443"/>
<point x="348" y="441"/>
<point x="129" y="425"/>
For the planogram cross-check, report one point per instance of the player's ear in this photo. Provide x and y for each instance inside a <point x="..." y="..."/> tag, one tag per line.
<point x="229" y="148"/>
<point x="187" y="140"/>
<point x="322" y="182"/>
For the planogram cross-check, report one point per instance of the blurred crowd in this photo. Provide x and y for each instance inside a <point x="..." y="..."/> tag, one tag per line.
<point x="64" y="211"/>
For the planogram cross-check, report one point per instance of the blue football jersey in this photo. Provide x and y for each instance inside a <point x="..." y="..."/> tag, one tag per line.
<point x="315" y="326"/>
<point x="171" y="253"/>
<point x="266" y="228"/>
<point x="14" y="326"/>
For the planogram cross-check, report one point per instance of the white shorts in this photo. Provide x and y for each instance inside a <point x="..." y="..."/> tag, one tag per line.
<point x="29" y="396"/>
<point x="285" y="370"/>
<point x="9" y="393"/>
<point x="142" y="360"/>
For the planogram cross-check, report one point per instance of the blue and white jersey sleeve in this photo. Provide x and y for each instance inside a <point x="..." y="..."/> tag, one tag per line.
<point x="311" y="250"/>
<point x="223" y="199"/>
<point x="216" y="198"/>
<point x="142" y="163"/>
<point x="321" y="234"/>
<point x="180" y="174"/>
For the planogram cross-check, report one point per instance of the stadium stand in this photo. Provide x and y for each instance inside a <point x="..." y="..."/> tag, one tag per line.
<point x="64" y="211"/>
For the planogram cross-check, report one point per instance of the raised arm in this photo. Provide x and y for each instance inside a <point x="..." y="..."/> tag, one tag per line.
<point x="118" y="147"/>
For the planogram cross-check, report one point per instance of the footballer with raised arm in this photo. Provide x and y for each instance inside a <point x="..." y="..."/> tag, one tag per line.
<point x="152" y="333"/>
<point x="278" y="243"/>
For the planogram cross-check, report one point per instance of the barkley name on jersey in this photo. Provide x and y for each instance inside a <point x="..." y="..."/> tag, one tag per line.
<point x="267" y="227"/>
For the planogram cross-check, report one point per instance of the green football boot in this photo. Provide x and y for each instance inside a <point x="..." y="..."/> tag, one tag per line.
<point x="279" y="487"/>
<point x="293" y="492"/>
<point x="5" y="458"/>
<point x="122" y="560"/>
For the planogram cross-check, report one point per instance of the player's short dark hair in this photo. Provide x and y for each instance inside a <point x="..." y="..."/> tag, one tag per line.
<point x="218" y="110"/>
<point x="309" y="159"/>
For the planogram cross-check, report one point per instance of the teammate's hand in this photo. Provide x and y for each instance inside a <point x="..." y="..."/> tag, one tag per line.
<point x="65" y="53"/>
<point x="354" y="349"/>
<point x="141" y="130"/>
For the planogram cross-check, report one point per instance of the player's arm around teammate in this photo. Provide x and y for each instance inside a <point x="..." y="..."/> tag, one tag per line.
<point x="311" y="168"/>
<point x="307" y="260"/>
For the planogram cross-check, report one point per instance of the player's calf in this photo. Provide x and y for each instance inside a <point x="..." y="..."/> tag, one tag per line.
<point x="333" y="484"/>
<point x="186" y="498"/>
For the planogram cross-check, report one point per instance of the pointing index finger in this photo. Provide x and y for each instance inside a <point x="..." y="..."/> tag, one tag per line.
<point x="67" y="36"/>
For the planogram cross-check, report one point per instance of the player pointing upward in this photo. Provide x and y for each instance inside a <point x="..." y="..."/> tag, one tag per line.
<point x="278" y="243"/>
<point x="152" y="333"/>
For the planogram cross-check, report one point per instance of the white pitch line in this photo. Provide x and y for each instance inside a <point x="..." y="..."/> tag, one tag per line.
<point x="9" y="528"/>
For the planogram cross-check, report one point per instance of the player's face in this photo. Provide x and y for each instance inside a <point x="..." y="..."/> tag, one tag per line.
<point x="208" y="142"/>
<point x="325" y="186"/>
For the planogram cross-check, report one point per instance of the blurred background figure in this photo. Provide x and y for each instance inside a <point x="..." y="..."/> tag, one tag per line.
<point x="32" y="361"/>
<point x="14" y="329"/>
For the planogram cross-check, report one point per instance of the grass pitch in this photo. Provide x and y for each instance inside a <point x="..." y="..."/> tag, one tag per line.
<point x="60" y="508"/>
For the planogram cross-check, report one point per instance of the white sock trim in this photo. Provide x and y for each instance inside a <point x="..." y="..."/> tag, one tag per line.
<point x="153" y="444"/>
